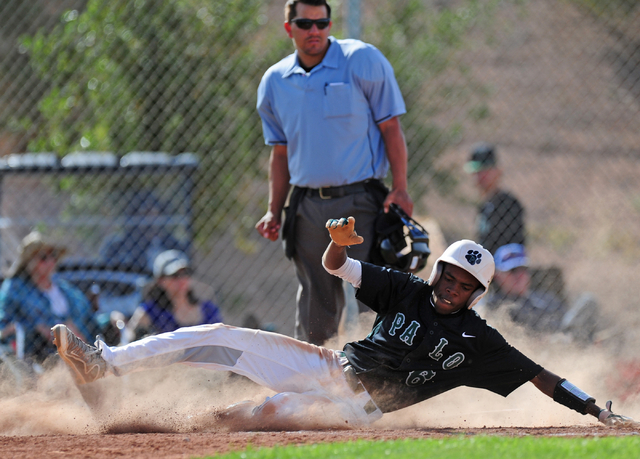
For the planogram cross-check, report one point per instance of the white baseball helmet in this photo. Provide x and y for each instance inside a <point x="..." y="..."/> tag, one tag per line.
<point x="471" y="257"/>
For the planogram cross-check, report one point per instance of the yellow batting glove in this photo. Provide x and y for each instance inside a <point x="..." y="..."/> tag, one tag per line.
<point x="342" y="232"/>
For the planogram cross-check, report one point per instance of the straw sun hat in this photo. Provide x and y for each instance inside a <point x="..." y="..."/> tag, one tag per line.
<point x="33" y="244"/>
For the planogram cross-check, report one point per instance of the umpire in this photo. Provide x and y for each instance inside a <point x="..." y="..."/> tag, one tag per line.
<point x="330" y="113"/>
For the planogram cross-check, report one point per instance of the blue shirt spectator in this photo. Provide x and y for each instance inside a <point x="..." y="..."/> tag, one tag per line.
<point x="33" y="297"/>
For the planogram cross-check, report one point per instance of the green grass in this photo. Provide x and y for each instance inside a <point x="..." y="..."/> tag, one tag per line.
<point x="459" y="447"/>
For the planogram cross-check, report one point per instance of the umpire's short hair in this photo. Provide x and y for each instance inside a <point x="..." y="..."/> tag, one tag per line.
<point x="290" y="8"/>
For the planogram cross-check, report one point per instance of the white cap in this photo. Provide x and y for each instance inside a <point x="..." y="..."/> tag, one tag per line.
<point x="511" y="256"/>
<point x="471" y="257"/>
<point x="169" y="262"/>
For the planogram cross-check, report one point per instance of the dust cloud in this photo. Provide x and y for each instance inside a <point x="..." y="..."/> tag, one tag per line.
<point x="159" y="401"/>
<point x="180" y="398"/>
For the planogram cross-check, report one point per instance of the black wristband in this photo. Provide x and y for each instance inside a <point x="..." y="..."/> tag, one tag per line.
<point x="571" y="396"/>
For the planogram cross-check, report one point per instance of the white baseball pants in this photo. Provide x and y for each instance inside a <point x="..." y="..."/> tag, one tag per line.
<point x="280" y="363"/>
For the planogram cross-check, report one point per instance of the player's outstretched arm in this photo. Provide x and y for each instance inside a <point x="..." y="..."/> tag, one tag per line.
<point x="343" y="234"/>
<point x="565" y="393"/>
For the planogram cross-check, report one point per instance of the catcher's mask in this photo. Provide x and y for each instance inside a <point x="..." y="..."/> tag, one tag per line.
<point x="401" y="242"/>
<point x="471" y="257"/>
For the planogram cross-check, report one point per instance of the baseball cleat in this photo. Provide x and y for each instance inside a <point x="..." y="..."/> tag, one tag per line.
<point x="85" y="361"/>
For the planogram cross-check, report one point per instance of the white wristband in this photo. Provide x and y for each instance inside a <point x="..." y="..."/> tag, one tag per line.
<point x="351" y="271"/>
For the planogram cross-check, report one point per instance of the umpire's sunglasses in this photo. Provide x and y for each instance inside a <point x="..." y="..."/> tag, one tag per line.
<point x="306" y="24"/>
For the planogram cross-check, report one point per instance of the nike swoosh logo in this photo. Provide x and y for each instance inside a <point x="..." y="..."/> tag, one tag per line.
<point x="464" y="335"/>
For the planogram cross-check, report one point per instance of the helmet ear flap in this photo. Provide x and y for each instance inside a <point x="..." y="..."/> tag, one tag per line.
<point x="475" y="297"/>
<point x="435" y="274"/>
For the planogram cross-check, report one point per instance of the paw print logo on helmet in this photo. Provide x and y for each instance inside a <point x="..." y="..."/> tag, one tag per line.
<point x="473" y="257"/>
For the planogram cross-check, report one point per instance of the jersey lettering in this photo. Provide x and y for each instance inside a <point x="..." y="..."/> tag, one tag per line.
<point x="436" y="354"/>
<point x="397" y="323"/>
<point x="453" y="361"/>
<point x="417" y="378"/>
<point x="410" y="333"/>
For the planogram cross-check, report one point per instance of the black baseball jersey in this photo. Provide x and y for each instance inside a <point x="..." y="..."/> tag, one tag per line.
<point x="500" y="221"/>
<point x="413" y="353"/>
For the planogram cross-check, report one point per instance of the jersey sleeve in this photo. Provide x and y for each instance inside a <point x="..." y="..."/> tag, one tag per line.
<point x="382" y="288"/>
<point x="503" y="368"/>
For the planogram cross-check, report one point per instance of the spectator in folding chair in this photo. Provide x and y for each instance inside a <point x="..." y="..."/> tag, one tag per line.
<point x="536" y="309"/>
<point x="34" y="298"/>
<point x="511" y="290"/>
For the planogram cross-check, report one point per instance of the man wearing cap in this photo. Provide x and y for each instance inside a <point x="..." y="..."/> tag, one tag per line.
<point x="537" y="310"/>
<point x="500" y="218"/>
<point x="33" y="299"/>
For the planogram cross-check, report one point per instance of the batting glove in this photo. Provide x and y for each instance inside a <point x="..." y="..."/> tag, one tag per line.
<point x="343" y="233"/>
<point x="615" y="420"/>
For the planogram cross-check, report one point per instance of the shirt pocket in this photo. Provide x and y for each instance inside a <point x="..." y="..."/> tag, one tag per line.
<point x="337" y="100"/>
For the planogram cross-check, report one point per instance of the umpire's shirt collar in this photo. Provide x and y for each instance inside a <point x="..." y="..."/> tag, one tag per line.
<point x="330" y="60"/>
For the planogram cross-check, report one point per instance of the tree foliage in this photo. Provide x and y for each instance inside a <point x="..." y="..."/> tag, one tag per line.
<point x="164" y="75"/>
<point x="421" y="40"/>
<point x="146" y="75"/>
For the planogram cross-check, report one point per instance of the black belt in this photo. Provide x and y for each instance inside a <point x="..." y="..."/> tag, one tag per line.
<point x="330" y="192"/>
<point x="352" y="379"/>
<point x="357" y="387"/>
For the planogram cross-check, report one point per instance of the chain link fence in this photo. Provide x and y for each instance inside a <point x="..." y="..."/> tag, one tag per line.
<point x="121" y="102"/>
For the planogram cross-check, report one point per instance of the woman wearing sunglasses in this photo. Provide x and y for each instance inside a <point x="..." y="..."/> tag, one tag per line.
<point x="32" y="298"/>
<point x="169" y="300"/>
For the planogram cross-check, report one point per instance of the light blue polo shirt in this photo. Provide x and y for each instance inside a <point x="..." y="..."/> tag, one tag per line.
<point x="328" y="117"/>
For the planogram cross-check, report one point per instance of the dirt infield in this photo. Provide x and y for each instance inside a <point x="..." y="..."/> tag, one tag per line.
<point x="181" y="445"/>
<point x="150" y="415"/>
<point x="170" y="412"/>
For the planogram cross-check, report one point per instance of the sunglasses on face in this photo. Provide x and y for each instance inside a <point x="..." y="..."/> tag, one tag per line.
<point x="306" y="24"/>
<point x="48" y="256"/>
<point x="181" y="273"/>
